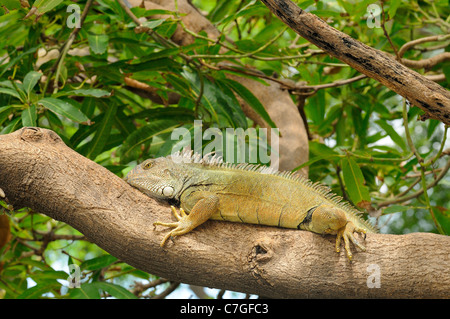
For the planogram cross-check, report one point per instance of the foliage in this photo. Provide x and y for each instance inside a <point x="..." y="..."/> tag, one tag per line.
<point x="82" y="84"/>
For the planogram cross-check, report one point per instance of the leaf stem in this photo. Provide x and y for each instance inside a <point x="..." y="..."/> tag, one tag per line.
<point x="423" y="166"/>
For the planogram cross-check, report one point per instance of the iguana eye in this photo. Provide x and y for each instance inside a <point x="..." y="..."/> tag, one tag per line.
<point x="147" y="165"/>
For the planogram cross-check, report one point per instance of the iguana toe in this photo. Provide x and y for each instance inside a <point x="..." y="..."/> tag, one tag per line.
<point x="346" y="233"/>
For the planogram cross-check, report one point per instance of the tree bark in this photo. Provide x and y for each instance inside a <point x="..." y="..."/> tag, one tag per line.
<point x="420" y="91"/>
<point x="39" y="171"/>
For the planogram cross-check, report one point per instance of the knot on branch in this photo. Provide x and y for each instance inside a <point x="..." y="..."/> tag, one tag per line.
<point x="35" y="134"/>
<point x="260" y="254"/>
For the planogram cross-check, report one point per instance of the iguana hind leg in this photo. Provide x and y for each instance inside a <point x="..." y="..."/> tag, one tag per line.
<point x="346" y="233"/>
<point x="200" y="213"/>
<point x="326" y="219"/>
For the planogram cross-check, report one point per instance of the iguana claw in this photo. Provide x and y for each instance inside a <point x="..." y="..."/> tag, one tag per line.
<point x="346" y="233"/>
<point x="180" y="226"/>
<point x="200" y="213"/>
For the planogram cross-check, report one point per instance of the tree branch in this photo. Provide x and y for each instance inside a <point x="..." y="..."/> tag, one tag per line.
<point x="427" y="63"/>
<point x="420" y="91"/>
<point x="38" y="170"/>
<point x="413" y="43"/>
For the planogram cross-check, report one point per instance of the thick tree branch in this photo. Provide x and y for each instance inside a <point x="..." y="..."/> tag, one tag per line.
<point x="420" y="91"/>
<point x="38" y="170"/>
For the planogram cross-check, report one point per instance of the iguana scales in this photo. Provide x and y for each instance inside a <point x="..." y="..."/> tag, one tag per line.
<point x="207" y="188"/>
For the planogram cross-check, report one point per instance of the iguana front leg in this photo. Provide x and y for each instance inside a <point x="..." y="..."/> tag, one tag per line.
<point x="200" y="213"/>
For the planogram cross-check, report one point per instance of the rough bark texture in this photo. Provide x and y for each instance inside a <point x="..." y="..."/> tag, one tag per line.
<point x="39" y="171"/>
<point x="420" y="91"/>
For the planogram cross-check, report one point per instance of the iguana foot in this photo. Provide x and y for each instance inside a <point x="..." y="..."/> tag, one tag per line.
<point x="346" y="233"/>
<point x="201" y="212"/>
<point x="183" y="225"/>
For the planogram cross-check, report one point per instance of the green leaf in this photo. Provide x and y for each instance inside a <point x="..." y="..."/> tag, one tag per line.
<point x="98" y="43"/>
<point x="63" y="108"/>
<point x="10" y="92"/>
<point x="221" y="10"/>
<point x="180" y="85"/>
<point x="114" y="290"/>
<point x="229" y="104"/>
<point x="340" y="131"/>
<point x="432" y="124"/>
<point x="393" y="6"/>
<point x="5" y="111"/>
<point x="86" y="291"/>
<point x="250" y="10"/>
<point x="160" y="54"/>
<point x="392" y="133"/>
<point x="152" y="65"/>
<point x="46" y="5"/>
<point x="131" y="147"/>
<point x="12" y="126"/>
<point x="102" y="132"/>
<point x="180" y="114"/>
<point x="88" y="106"/>
<point x="30" y="81"/>
<point x="217" y="100"/>
<point x="18" y="58"/>
<point x="251" y="99"/>
<point x="84" y="92"/>
<point x="315" y="107"/>
<point x="443" y="218"/>
<point x="46" y="275"/>
<point x="316" y="159"/>
<point x="11" y="4"/>
<point x="396" y="209"/>
<point x="98" y="262"/>
<point x="141" y="12"/>
<point x="153" y="23"/>
<point x="354" y="181"/>
<point x="29" y="116"/>
<point x="34" y="263"/>
<point x="40" y="289"/>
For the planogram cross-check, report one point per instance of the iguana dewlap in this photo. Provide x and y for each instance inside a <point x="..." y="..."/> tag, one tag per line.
<point x="207" y="188"/>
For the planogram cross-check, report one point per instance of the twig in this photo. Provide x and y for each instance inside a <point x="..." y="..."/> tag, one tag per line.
<point x="444" y="171"/>
<point x="139" y="288"/>
<point x="441" y="149"/>
<point x="413" y="43"/>
<point x="423" y="167"/>
<point x="66" y="48"/>
<point x="383" y="15"/>
<point x="168" y="291"/>
<point x="406" y="191"/>
<point x="426" y="63"/>
<point x="140" y="28"/>
<point x="408" y="134"/>
<point x="336" y="83"/>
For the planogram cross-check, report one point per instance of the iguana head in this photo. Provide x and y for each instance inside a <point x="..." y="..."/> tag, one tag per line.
<point x="156" y="178"/>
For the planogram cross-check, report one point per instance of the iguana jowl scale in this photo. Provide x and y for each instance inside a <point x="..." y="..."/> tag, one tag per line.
<point x="207" y="188"/>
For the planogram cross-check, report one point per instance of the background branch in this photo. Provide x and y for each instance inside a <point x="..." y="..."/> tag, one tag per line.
<point x="420" y="91"/>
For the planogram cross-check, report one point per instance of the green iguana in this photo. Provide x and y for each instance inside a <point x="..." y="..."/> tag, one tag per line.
<point x="207" y="188"/>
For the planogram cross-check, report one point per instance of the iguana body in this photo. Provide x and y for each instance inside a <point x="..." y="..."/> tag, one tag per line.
<point x="206" y="189"/>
